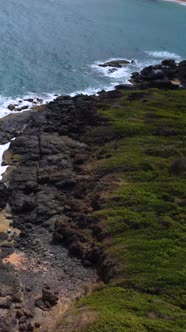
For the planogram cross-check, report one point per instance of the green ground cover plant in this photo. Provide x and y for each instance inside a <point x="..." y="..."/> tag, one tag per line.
<point x="145" y="215"/>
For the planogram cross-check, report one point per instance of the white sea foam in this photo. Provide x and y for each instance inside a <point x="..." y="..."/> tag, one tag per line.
<point x="116" y="76"/>
<point x="178" y="2"/>
<point x="23" y="101"/>
<point x="92" y="91"/>
<point x="164" y="55"/>
<point x="88" y="91"/>
<point x="123" y="75"/>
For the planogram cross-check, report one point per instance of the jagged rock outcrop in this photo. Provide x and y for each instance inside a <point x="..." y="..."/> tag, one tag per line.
<point x="167" y="75"/>
<point x="48" y="182"/>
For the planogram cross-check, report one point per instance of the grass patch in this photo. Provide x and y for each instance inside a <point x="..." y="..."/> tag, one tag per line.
<point x="144" y="134"/>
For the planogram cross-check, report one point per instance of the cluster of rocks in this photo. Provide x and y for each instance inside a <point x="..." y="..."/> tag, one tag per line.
<point x="114" y="65"/>
<point x="47" y="300"/>
<point x="24" y="318"/>
<point x="168" y="75"/>
<point x="13" y="107"/>
<point x="20" y="107"/>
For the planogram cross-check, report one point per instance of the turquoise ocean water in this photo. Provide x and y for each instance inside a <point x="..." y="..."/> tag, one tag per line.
<point x="54" y="46"/>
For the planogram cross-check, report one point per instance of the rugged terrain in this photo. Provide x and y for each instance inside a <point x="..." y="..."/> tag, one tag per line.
<point x="104" y="177"/>
<point x="46" y="185"/>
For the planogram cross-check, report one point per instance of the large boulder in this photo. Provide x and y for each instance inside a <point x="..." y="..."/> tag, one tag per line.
<point x="182" y="64"/>
<point x="11" y="107"/>
<point x="151" y="74"/>
<point x="12" y="124"/>
<point x="169" y="63"/>
<point x="115" y="63"/>
<point x="178" y="167"/>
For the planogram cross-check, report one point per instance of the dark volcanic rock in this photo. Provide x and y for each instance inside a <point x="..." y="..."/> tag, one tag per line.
<point x="3" y="195"/>
<point x="163" y="75"/>
<point x="169" y="63"/>
<point x="115" y="63"/>
<point x="48" y="160"/>
<point x="150" y="74"/>
<point x="49" y="296"/>
<point x="48" y="299"/>
<point x="182" y="65"/>
<point x="11" y="107"/>
<point x="3" y="236"/>
<point x="179" y="166"/>
<point x="12" y="124"/>
<point x="27" y="147"/>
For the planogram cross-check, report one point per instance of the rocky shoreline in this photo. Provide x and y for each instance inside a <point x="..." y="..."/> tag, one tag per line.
<point x="53" y="191"/>
<point x="43" y="178"/>
<point x="168" y="74"/>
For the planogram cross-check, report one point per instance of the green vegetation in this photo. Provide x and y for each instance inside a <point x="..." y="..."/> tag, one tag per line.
<point x="146" y="214"/>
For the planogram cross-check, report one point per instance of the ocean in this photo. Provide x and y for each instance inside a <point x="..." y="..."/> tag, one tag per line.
<point x="53" y="47"/>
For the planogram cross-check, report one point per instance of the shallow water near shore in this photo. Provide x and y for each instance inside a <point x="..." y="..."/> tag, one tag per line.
<point x="52" y="46"/>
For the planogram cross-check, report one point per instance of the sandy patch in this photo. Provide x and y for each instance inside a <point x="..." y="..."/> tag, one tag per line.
<point x="18" y="260"/>
<point x="176" y="82"/>
<point x="21" y="262"/>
